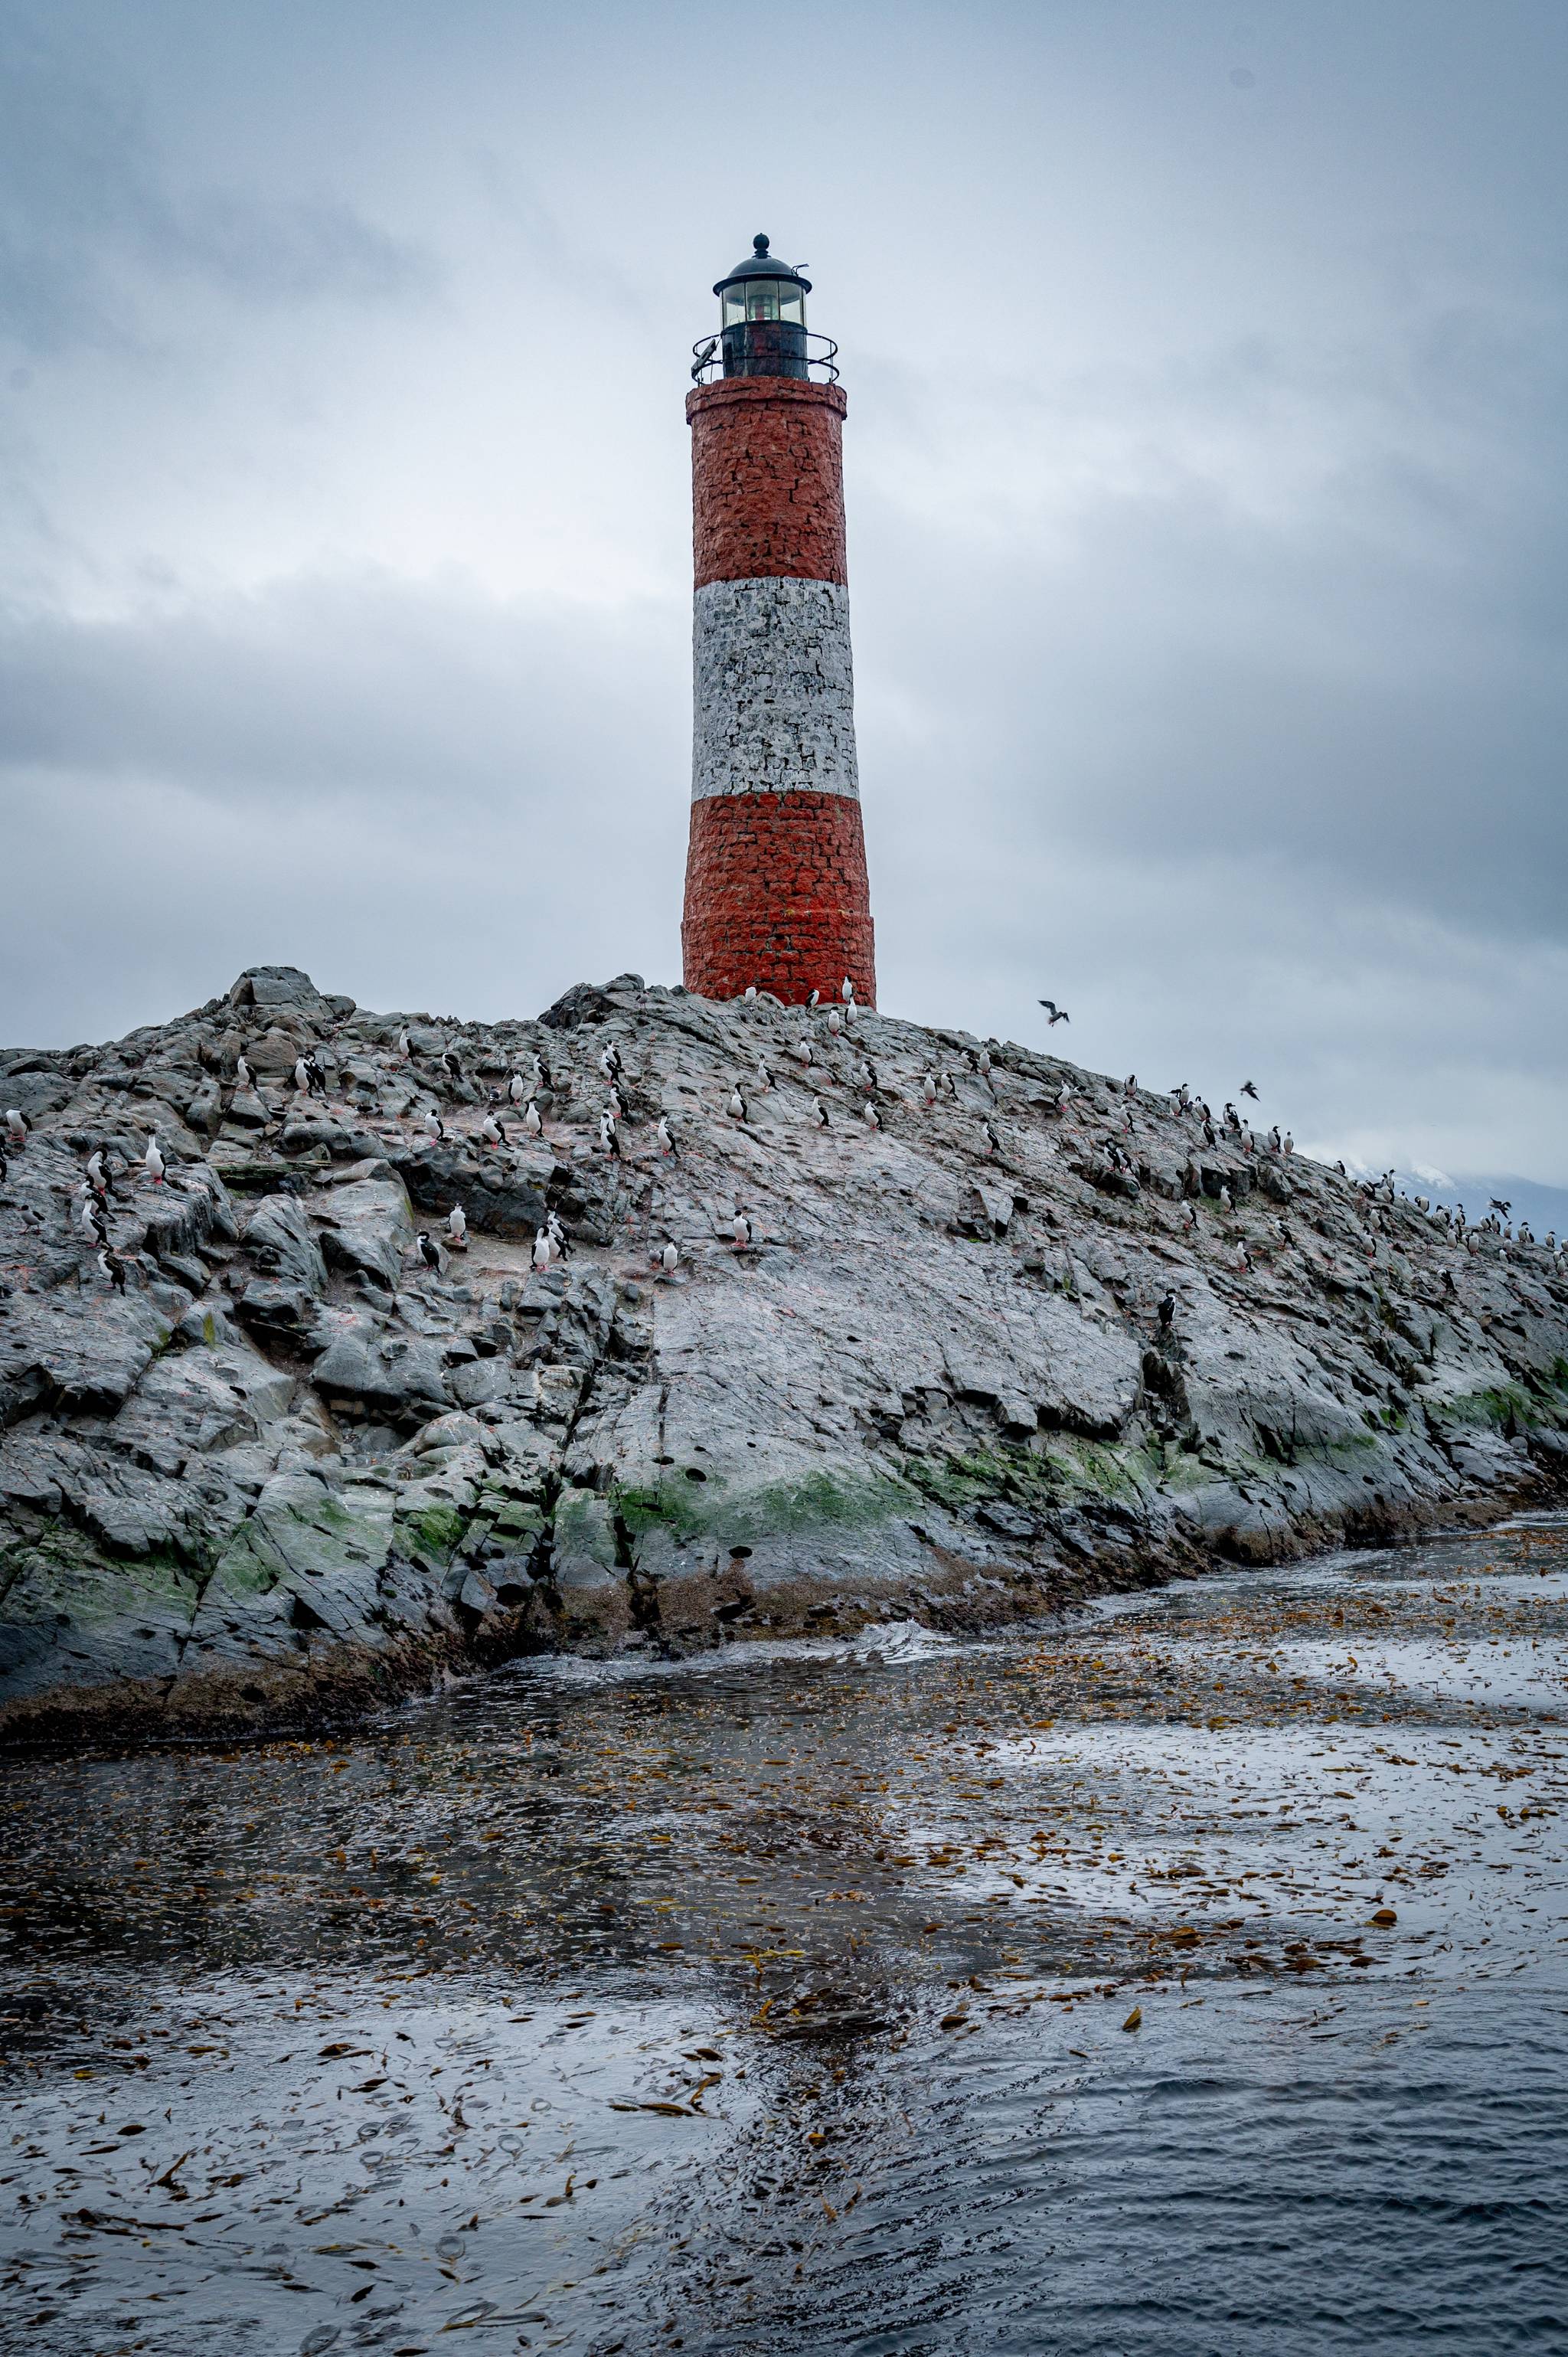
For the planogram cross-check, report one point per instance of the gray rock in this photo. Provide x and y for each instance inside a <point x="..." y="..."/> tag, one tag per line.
<point x="290" y="1469"/>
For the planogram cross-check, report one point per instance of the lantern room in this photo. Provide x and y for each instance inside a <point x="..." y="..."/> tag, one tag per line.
<point x="762" y="317"/>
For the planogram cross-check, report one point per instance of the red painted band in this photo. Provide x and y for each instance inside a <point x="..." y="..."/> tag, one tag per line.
<point x="766" y="480"/>
<point x="777" y="894"/>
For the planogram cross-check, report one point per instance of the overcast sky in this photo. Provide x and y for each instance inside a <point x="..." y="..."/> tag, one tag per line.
<point x="1207" y="464"/>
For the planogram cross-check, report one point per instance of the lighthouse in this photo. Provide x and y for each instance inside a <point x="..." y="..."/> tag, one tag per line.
<point x="776" y="885"/>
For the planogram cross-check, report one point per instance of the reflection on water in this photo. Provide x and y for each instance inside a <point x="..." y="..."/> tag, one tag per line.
<point x="1187" y="1978"/>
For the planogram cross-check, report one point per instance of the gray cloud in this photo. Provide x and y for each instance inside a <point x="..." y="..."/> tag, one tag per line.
<point x="89" y="210"/>
<point x="1206" y="481"/>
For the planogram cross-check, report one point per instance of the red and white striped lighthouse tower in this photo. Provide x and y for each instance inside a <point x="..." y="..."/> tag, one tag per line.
<point x="776" y="885"/>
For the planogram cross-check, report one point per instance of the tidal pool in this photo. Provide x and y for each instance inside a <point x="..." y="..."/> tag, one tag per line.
<point x="1186" y="1978"/>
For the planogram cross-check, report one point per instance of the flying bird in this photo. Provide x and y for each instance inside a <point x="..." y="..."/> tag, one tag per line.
<point x="1055" y="1014"/>
<point x="1247" y="1090"/>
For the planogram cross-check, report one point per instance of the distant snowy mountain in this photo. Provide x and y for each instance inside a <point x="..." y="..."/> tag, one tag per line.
<point x="1544" y="1207"/>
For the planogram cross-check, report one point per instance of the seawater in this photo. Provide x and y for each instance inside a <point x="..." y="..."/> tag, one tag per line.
<point x="1185" y="1977"/>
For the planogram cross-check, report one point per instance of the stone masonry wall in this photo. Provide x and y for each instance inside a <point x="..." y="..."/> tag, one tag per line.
<point x="808" y="928"/>
<point x="766" y="480"/>
<point x="773" y="701"/>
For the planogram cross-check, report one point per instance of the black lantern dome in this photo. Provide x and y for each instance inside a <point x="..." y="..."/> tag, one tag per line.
<point x="762" y="316"/>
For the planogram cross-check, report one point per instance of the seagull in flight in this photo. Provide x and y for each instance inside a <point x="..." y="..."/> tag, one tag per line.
<point x="1249" y="1091"/>
<point x="1055" y="1014"/>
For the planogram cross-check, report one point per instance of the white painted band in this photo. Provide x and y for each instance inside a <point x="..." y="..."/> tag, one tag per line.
<point x="773" y="690"/>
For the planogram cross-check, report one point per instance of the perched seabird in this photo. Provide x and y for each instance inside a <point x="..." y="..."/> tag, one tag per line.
<point x="435" y="1129"/>
<point x="1054" y="1013"/>
<point x="541" y="1253"/>
<point x="982" y="1063"/>
<point x="928" y="1089"/>
<point x="815" y="998"/>
<point x="803" y="1051"/>
<point x="846" y="991"/>
<point x="1289" y="1143"/>
<point x="451" y="1066"/>
<point x="764" y="1077"/>
<point x="458" y="1228"/>
<point x="1130" y="1085"/>
<point x="15" y="1127"/>
<point x="869" y="1080"/>
<point x="114" y="1268"/>
<point x="1247" y="1090"/>
<point x="820" y="1113"/>
<point x="738" y="1107"/>
<point x="742" y="1231"/>
<point x="428" y="1250"/>
<point x="749" y="994"/>
<point x="1226" y="1201"/>
<point x="872" y="1118"/>
<point x="244" y="1076"/>
<point x="315" y="1073"/>
<point x="836" y="1023"/>
<point x="153" y="1162"/>
<point x="405" y="1047"/>
<point x="609" y="1141"/>
<point x="1188" y="1216"/>
<point x="615" y="1107"/>
<point x="531" y="1120"/>
<point x="993" y="1143"/>
<point x="302" y="1076"/>
<point x="491" y="1131"/>
<point x="93" y="1221"/>
<point x="609" y="1062"/>
<point x="554" y="1229"/>
<point x="516" y="1089"/>
<point x="97" y="1178"/>
<point x="662" y="1131"/>
<point x="669" y="1259"/>
<point x="1168" y="1310"/>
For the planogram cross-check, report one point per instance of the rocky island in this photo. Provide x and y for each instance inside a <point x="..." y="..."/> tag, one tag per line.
<point x="836" y="1319"/>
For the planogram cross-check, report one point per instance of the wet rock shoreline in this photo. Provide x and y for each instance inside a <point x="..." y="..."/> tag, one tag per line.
<point x="1023" y="1336"/>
